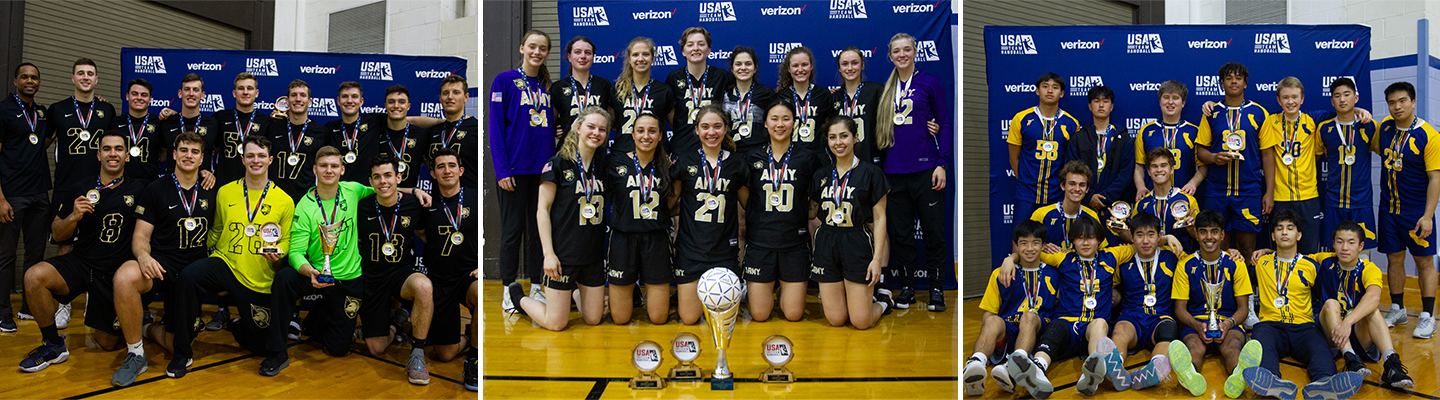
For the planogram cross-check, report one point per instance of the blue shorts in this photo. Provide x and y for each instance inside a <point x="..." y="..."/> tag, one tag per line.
<point x="1365" y="216"/>
<point x="1145" y="325"/>
<point x="1397" y="234"/>
<point x="1186" y="330"/>
<point x="1311" y="212"/>
<point x="1241" y="212"/>
<point x="1006" y="345"/>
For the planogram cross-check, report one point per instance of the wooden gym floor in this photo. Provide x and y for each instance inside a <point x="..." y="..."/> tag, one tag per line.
<point x="908" y="354"/>
<point x="222" y="370"/>
<point x="1418" y="355"/>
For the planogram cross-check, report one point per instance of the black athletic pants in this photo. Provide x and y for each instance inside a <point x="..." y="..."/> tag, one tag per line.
<point x="334" y="316"/>
<point x="519" y="238"/>
<point x="911" y="197"/>
<point x="212" y="275"/>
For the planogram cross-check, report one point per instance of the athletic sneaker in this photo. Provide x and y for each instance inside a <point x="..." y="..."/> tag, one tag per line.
<point x="24" y="316"/>
<point x="218" y="321"/>
<point x="1184" y="369"/>
<point x="1002" y="378"/>
<point x="537" y="292"/>
<point x="883" y="296"/>
<point x="273" y="364"/>
<point x="1337" y="387"/>
<point x="937" y="300"/>
<point x="1353" y="364"/>
<point x="1265" y="383"/>
<point x="48" y="353"/>
<point x="133" y="366"/>
<point x="974" y="377"/>
<point x="1425" y="327"/>
<point x="1157" y="371"/>
<point x="62" y="316"/>
<point x="516" y="293"/>
<point x="294" y="331"/>
<point x="416" y="370"/>
<point x="472" y="378"/>
<point x="7" y="323"/>
<point x="506" y="303"/>
<point x="1396" y="375"/>
<point x="1396" y="316"/>
<point x="1249" y="357"/>
<point x="1254" y="316"/>
<point x="905" y="299"/>
<point x="1093" y="371"/>
<point x="177" y="368"/>
<point x="1028" y="375"/>
<point x="1115" y="368"/>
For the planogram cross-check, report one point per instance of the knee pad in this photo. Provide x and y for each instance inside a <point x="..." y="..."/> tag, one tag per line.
<point x="1055" y="335"/>
<point x="1167" y="330"/>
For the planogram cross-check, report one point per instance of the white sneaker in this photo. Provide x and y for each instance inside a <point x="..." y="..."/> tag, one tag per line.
<point x="1396" y="316"/>
<point x="537" y="292"/>
<point x="1002" y="378"/>
<point x="62" y="316"/>
<point x="506" y="304"/>
<point x="1425" y="327"/>
<point x="974" y="377"/>
<point x="1254" y="317"/>
<point x="575" y="299"/>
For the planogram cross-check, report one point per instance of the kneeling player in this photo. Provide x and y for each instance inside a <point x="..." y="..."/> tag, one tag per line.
<point x="1145" y="321"/>
<point x="848" y="258"/>
<point x="1220" y="286"/>
<point x="1012" y="320"/>
<point x="451" y="250"/>
<point x="102" y="214"/>
<point x="387" y="220"/>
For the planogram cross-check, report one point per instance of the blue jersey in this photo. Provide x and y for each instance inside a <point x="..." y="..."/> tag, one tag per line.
<point x="1057" y="223"/>
<point x="1082" y="281"/>
<point x="1028" y="291"/>
<point x="1239" y="177"/>
<point x="1408" y="157"/>
<point x="1042" y="141"/>
<point x="1347" y="147"/>
<point x="1139" y="278"/>
<point x="1234" y="280"/>
<point x="1160" y="207"/>
<point x="1179" y="138"/>
<point x="1346" y="286"/>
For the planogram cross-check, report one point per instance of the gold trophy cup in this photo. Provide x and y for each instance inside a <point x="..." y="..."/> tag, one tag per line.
<point x="719" y="291"/>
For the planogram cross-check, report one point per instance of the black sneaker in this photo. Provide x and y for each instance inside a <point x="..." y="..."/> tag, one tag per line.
<point x="472" y="368"/>
<point x="905" y="299"/>
<point x="293" y="332"/>
<point x="219" y="320"/>
<point x="178" y="367"/>
<point x="1353" y="363"/>
<point x="883" y="296"/>
<point x="148" y="318"/>
<point x="1395" y="374"/>
<point x="516" y="293"/>
<point x="273" y="364"/>
<point x="937" y="300"/>
<point x="7" y="323"/>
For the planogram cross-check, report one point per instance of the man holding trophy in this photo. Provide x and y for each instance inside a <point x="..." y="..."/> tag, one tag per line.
<point x="1219" y="285"/>
<point x="1175" y="208"/>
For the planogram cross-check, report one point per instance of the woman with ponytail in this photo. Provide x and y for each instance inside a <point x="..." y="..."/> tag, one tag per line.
<point x="850" y="245"/>
<point x="746" y="101"/>
<point x="710" y="185"/>
<point x="580" y="89"/>
<point x="639" y="183"/>
<point x="521" y="136"/>
<point x="812" y="102"/>
<point x="777" y="234"/>
<point x="637" y="93"/>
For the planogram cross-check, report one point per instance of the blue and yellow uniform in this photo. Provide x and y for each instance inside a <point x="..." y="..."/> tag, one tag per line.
<point x="1160" y="208"/>
<point x="1295" y="184"/>
<point x="1085" y="289"/>
<point x="1029" y="290"/>
<point x="1407" y="160"/>
<point x="1348" y="286"/>
<point x="1180" y="138"/>
<point x="1057" y="223"/>
<point x="1289" y="290"/>
<point x="1140" y="280"/>
<point x="1042" y="140"/>
<point x="1232" y="275"/>
<point x="1234" y="189"/>
<point x="1347" y="146"/>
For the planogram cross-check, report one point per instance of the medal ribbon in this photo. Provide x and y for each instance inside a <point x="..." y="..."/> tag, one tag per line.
<point x="290" y="135"/>
<point x="1166" y="132"/>
<point x="1102" y="145"/>
<point x="1288" y="136"/>
<point x="534" y="96"/>
<point x="1032" y="288"/>
<point x="112" y="183"/>
<point x="405" y="138"/>
<point x="1283" y="287"/>
<point x="711" y="178"/>
<point x="197" y="124"/>
<point x="587" y="180"/>
<point x="777" y="177"/>
<point x="902" y="90"/>
<point x="838" y="188"/>
<point x="352" y="135"/>
<point x="451" y="217"/>
<point x="745" y="104"/>
<point x="135" y="134"/>
<point x="246" y="132"/>
<point x="852" y="106"/>
<point x="1049" y="130"/>
<point x="1065" y="239"/>
<point x="194" y="192"/>
<point x="584" y="99"/>
<point x="1087" y="277"/>
<point x="387" y="228"/>
<point x="698" y="91"/>
<point x="334" y="207"/>
<point x="89" y="114"/>
<point x="30" y="118"/>
<point x="645" y="175"/>
<point x="1232" y="116"/>
<point x="1397" y="146"/>
<point x="445" y="139"/>
<point x="251" y="214"/>
<point x="802" y="110"/>
<point x="643" y="95"/>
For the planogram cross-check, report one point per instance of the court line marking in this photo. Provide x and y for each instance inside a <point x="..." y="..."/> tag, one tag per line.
<point x="188" y="370"/>
<point x="1283" y="361"/>
<point x="737" y="380"/>
<point x="598" y="390"/>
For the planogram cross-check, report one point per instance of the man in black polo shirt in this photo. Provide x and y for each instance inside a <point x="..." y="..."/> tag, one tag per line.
<point x="355" y="134"/>
<point x="24" y="181"/>
<point x="296" y="140"/>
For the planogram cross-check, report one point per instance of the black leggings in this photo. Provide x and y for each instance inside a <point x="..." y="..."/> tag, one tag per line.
<point x="519" y="238"/>
<point x="910" y="198"/>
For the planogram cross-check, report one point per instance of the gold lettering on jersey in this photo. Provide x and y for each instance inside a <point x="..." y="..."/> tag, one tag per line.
<point x="529" y="99"/>
<point x="789" y="175"/>
<point x="722" y="185"/>
<point x="630" y="102"/>
<point x="830" y="192"/>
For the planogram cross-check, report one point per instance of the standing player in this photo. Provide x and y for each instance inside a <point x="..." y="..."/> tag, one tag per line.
<point x="24" y="206"/>
<point x="812" y="102"/>
<point x="1411" y="172"/>
<point x="746" y="102"/>
<point x="710" y="185"/>
<point x="192" y="92"/>
<point x="169" y="234"/>
<point x="238" y="123"/>
<point x="777" y="240"/>
<point x="1287" y="147"/>
<point x="580" y="89"/>
<point x="386" y="222"/>
<point x="1161" y="201"/>
<point x="1211" y="267"/>
<point x="458" y="132"/>
<point x="1144" y="285"/>
<point x="1062" y="214"/>
<point x="356" y="135"/>
<point x="297" y="138"/>
<point x="1107" y="150"/>
<point x="639" y="184"/>
<point x="452" y="249"/>
<point x="142" y="138"/>
<point x="1174" y="134"/>
<point x="860" y="101"/>
<point x="77" y="123"/>
<point x="1019" y="317"/>
<point x="1348" y="143"/>
<point x="851" y="245"/>
<point x="696" y="85"/>
<point x="1235" y="184"/>
<point x="252" y="217"/>
<point x="1351" y="316"/>
<point x="103" y="220"/>
<point x="406" y="146"/>
<point x="520" y="141"/>
<point x="637" y="93"/>
<point x="1041" y="133"/>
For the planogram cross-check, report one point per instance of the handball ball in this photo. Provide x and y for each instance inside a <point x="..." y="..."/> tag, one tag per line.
<point x="719" y="288"/>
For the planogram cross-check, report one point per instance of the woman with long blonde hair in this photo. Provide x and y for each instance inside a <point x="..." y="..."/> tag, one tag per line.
<point x="697" y="84"/>
<point x="637" y="93"/>
<point x="521" y="139"/>
<point x="812" y="102"/>
<point x="710" y="190"/>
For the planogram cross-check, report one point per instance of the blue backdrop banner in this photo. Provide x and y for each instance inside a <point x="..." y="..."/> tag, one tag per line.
<point x="1133" y="60"/>
<point x="772" y="28"/>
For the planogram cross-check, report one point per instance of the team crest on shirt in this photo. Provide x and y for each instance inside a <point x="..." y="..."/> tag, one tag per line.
<point x="409" y="142"/>
<point x="261" y="315"/>
<point x="309" y="140"/>
<point x="519" y="83"/>
<point x="129" y="200"/>
<point x="265" y="209"/>
<point x="204" y="204"/>
<point x="405" y="221"/>
<point x="692" y="170"/>
<point x="460" y="135"/>
<point x="620" y="169"/>
<point x="837" y="105"/>
<point x="680" y="85"/>
<point x="352" y="305"/>
<point x="566" y="91"/>
<point x="40" y="112"/>
<point x="464" y="212"/>
<point x="254" y="126"/>
<point x="201" y="131"/>
<point x="364" y="127"/>
<point x="569" y="175"/>
<point x="759" y="165"/>
<point x="100" y="114"/>
<point x="149" y="128"/>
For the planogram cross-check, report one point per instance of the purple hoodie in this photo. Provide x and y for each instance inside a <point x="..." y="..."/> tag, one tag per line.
<point x="516" y="147"/>
<point x="915" y="148"/>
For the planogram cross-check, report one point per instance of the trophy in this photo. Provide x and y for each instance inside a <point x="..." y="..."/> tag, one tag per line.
<point x="1180" y="210"/>
<point x="646" y="358"/>
<point x="329" y="237"/>
<point x="777" y="351"/>
<point x="270" y="234"/>
<point x="685" y="348"/>
<point x="1212" y="304"/>
<point x="1119" y="211"/>
<point x="1234" y="141"/>
<point x="720" y="291"/>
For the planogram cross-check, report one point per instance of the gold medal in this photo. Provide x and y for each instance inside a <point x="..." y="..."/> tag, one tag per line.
<point x="899" y="119"/>
<point x="134" y="151"/>
<point x="745" y="130"/>
<point x="84" y="135"/>
<point x="250" y="230"/>
<point x="93" y="195"/>
<point x="388" y="248"/>
<point x="645" y="211"/>
<point x="711" y="202"/>
<point x="293" y="160"/>
<point x="775" y="199"/>
<point x="34" y="139"/>
<point x="404" y="166"/>
<point x="190" y="224"/>
<point x="837" y="217"/>
<point x="350" y="157"/>
<point x="587" y="211"/>
<point x="457" y="238"/>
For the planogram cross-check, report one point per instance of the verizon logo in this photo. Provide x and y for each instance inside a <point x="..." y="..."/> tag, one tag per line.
<point x="1081" y="45"/>
<point x="316" y="69"/>
<point x="782" y="10"/>
<point x="1019" y="88"/>
<point x="1146" y="86"/>
<point x="204" y="66"/>
<point x="1335" y="44"/>
<point x="1209" y="44"/>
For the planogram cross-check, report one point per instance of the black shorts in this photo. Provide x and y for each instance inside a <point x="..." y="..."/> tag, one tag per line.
<point x="99" y="280"/>
<point x="762" y="265"/>
<point x="375" y="303"/>
<point x="445" y="325"/>
<point x="639" y="257"/>
<point x="841" y="253"/>
<point x="687" y="270"/>
<point x="571" y="275"/>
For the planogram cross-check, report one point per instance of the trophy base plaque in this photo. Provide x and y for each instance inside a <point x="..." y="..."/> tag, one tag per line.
<point x="1181" y="225"/>
<point x="270" y="250"/>
<point x="722" y="384"/>
<point x="1213" y="334"/>
<point x="1236" y="155"/>
<point x="323" y="278"/>
<point x="777" y="375"/>
<point x="1118" y="225"/>
<point x="647" y="381"/>
<point x="685" y="372"/>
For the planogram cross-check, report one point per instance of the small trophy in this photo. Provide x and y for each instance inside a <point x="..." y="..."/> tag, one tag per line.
<point x="719" y="290"/>
<point x="1233" y="143"/>
<point x="1119" y="211"/>
<point x="270" y="234"/>
<point x="1180" y="210"/>
<point x="329" y="238"/>
<point x="685" y="348"/>
<point x="646" y="358"/>
<point x="777" y="351"/>
<point x="1212" y="304"/>
<point x="282" y="104"/>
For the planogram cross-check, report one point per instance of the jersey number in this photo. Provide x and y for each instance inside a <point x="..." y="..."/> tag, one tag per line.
<point x="599" y="205"/>
<point x="1052" y="154"/>
<point x="907" y="106"/>
<point x="636" y="203"/>
<point x="110" y="231"/>
<point x="288" y="171"/>
<point x="398" y="240"/>
<point x="787" y="197"/>
<point x="77" y="146"/>
<point x="192" y="239"/>
<point x="629" y="122"/>
<point x="844" y="208"/>
<point x="702" y="213"/>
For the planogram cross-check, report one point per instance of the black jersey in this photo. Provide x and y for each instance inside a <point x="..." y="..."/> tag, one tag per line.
<point x="229" y="154"/>
<point x="658" y="99"/>
<point x="447" y="261"/>
<point x="207" y="127"/>
<point x="400" y="221"/>
<point x="812" y="110"/>
<point x="361" y="137"/>
<point x="77" y="128"/>
<point x="24" y="169"/>
<point x="569" y="97"/>
<point x="144" y="133"/>
<point x="692" y="93"/>
<point x="863" y="106"/>
<point x="781" y="224"/>
<point x="748" y="109"/>
<point x="864" y="186"/>
<point x="577" y="221"/>
<point x="624" y="178"/>
<point x="410" y="144"/>
<point x="181" y="216"/>
<point x="464" y="137"/>
<point x="103" y="236"/>
<point x="300" y="142"/>
<point x="709" y="234"/>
